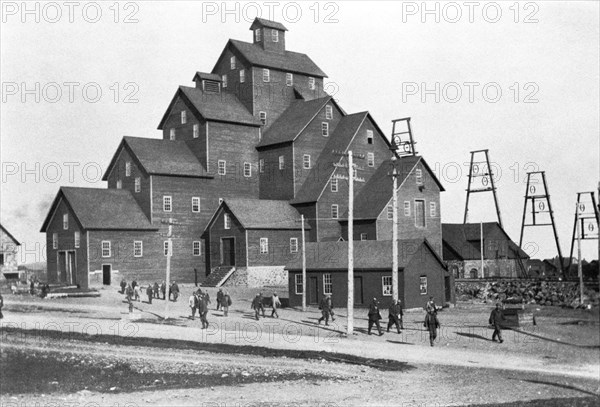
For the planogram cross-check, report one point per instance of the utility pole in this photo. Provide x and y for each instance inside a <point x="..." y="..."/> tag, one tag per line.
<point x="351" y="178"/>
<point x="169" y="222"/>
<point x="394" y="230"/>
<point x="303" y="267"/>
<point x="481" y="248"/>
<point x="579" y="269"/>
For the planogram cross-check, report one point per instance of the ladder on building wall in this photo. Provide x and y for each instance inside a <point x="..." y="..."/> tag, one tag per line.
<point x="536" y="192"/>
<point x="402" y="139"/>
<point x="481" y="170"/>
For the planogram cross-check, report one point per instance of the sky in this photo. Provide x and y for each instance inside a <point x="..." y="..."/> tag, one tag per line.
<point x="520" y="79"/>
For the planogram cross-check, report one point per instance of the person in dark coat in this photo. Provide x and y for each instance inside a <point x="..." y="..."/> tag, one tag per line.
<point x="128" y="293"/>
<point x="175" y="290"/>
<point x="203" y="310"/>
<point x="149" y="293"/>
<point x="163" y="289"/>
<point x="134" y="284"/>
<point x="1" y="305"/>
<point x="123" y="286"/>
<point x="257" y="305"/>
<point x="496" y="318"/>
<point x="226" y="303"/>
<point x="261" y="304"/>
<point x="432" y="324"/>
<point x="431" y="307"/>
<point x="374" y="316"/>
<point x="395" y="315"/>
<point x="219" y="298"/>
<point x="156" y="290"/>
<point x="193" y="304"/>
<point x="31" y="287"/>
<point x="326" y="307"/>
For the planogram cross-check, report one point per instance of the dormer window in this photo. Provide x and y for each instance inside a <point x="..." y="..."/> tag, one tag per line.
<point x="289" y="79"/>
<point x="275" y="35"/>
<point x="328" y="112"/>
<point x="183" y="117"/>
<point x="257" y="35"/>
<point x="369" y="136"/>
<point x="242" y="76"/>
<point x="232" y="62"/>
<point x="266" y="75"/>
<point x="224" y="80"/>
<point x="311" y="83"/>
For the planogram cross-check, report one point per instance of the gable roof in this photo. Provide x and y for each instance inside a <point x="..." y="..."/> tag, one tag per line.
<point x="261" y="22"/>
<point x="101" y="209"/>
<point x="7" y="233"/>
<point x="261" y="214"/>
<point x="287" y="61"/>
<point x="368" y="254"/>
<point x="464" y="240"/>
<point x="160" y="157"/>
<point x="293" y="121"/>
<point x="209" y="76"/>
<point x="219" y="107"/>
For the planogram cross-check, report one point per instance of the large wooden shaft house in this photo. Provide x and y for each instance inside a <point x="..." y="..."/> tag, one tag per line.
<point x="244" y="153"/>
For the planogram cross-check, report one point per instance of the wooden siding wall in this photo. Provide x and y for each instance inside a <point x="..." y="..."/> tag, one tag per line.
<point x="182" y="131"/>
<point x="279" y="247"/>
<point x="275" y="183"/>
<point x="217" y="231"/>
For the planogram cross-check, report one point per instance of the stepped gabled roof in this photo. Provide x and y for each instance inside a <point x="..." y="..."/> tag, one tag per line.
<point x="293" y="121"/>
<point x="287" y="61"/>
<point x="101" y="209"/>
<point x="160" y="157"/>
<point x="219" y="107"/>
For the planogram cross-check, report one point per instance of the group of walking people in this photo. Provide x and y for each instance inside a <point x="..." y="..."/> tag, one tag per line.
<point x="258" y="305"/>
<point x="133" y="291"/>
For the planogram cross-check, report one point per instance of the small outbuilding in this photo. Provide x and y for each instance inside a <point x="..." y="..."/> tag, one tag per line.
<point x="9" y="247"/>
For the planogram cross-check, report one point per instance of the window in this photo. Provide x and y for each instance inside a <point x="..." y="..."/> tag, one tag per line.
<point x="419" y="176"/>
<point x="261" y="165"/>
<point x="105" y="245"/>
<point x="406" y="208"/>
<point x="128" y="168"/>
<point x="281" y="162"/>
<point x="66" y="221"/>
<point x="327" y="285"/>
<point x="298" y="285"/>
<point x="266" y="75"/>
<point x="264" y="245"/>
<point x="363" y="236"/>
<point x="183" y="117"/>
<point x="55" y="240"/>
<point x="137" y="248"/>
<point x="293" y="245"/>
<point x="289" y="79"/>
<point x="369" y="136"/>
<point x="328" y="112"/>
<point x="247" y="170"/>
<point x="172" y="134"/>
<point x="257" y="35"/>
<point x="311" y="83"/>
<point x="196" y="131"/>
<point x="386" y="286"/>
<point x="275" y="35"/>
<point x="195" y="204"/>
<point x="432" y="209"/>
<point x="334" y="211"/>
<point x="325" y="129"/>
<point x="222" y="167"/>
<point x="390" y="212"/>
<point x="196" y="248"/>
<point x="226" y="221"/>
<point x="167" y="201"/>
<point x="423" y="285"/>
<point x="306" y="161"/>
<point x="167" y="248"/>
<point x="138" y="184"/>
<point x="334" y="185"/>
<point x="242" y="76"/>
<point x="119" y="184"/>
<point x="263" y="117"/>
<point x="224" y="80"/>
<point x="232" y="62"/>
<point x="371" y="159"/>
<point x="420" y="214"/>
<point x="77" y="239"/>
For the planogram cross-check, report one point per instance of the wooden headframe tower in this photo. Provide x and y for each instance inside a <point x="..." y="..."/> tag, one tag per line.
<point x="480" y="169"/>
<point x="586" y="212"/>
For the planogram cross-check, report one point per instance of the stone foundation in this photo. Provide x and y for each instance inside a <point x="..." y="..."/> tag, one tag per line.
<point x="258" y="277"/>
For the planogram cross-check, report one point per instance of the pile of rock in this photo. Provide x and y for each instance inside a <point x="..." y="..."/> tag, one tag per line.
<point x="564" y="294"/>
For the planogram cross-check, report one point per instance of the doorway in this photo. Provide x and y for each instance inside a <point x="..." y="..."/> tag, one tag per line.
<point x="71" y="268"/>
<point x="228" y="251"/>
<point x="358" y="291"/>
<point x="447" y="288"/>
<point x="61" y="269"/>
<point x="313" y="290"/>
<point x="106" y="271"/>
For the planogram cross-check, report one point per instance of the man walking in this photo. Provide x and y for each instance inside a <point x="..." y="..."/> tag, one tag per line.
<point x="123" y="286"/>
<point x="432" y="324"/>
<point x="226" y="303"/>
<point x="326" y="307"/>
<point x="395" y="315"/>
<point x="257" y="305"/>
<point x="175" y="289"/>
<point x="129" y="293"/>
<point x="374" y="316"/>
<point x="275" y="303"/>
<point x="163" y="289"/>
<point x="496" y="318"/>
<point x="203" y="309"/>
<point x="219" y="298"/>
<point x="149" y="293"/>
<point x="193" y="304"/>
<point x="156" y="290"/>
